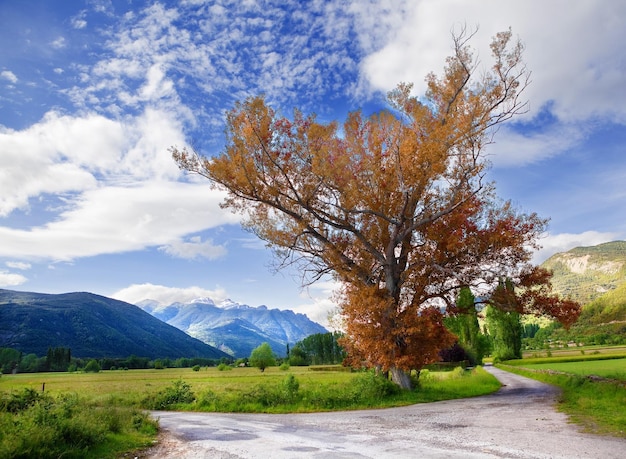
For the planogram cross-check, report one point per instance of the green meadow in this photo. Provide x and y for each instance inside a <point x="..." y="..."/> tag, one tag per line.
<point x="104" y="414"/>
<point x="610" y="368"/>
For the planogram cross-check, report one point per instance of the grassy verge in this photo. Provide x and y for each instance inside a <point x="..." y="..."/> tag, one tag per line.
<point x="598" y="406"/>
<point x="35" y="424"/>
<point x="101" y="415"/>
<point x="289" y="393"/>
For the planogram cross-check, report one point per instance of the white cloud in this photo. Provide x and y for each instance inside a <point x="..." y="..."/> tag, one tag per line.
<point x="120" y="219"/>
<point x="512" y="148"/>
<point x="78" y="21"/>
<point x="18" y="265"/>
<point x="8" y="75"/>
<point x="575" y="53"/>
<point x="11" y="279"/>
<point x="59" y="43"/>
<point x="194" y="248"/>
<point x="319" y="305"/>
<point x="166" y="295"/>
<point x="556" y="243"/>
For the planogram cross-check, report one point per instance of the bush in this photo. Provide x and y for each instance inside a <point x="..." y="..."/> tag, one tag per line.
<point x="38" y="425"/>
<point x="92" y="366"/>
<point x="178" y="393"/>
<point x="284" y="366"/>
<point x="196" y="368"/>
<point x="223" y="367"/>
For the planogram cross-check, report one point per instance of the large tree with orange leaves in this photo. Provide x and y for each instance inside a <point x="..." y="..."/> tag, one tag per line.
<point x="394" y="205"/>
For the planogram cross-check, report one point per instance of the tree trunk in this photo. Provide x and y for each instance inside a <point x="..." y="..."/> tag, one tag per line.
<point x="401" y="378"/>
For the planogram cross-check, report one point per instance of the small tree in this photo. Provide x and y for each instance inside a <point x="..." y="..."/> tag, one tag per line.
<point x="262" y="357"/>
<point x="92" y="366"/>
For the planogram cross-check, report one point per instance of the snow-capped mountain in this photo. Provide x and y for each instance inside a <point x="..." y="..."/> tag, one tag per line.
<point x="235" y="328"/>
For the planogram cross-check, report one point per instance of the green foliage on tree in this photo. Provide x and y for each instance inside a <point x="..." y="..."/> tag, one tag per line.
<point x="58" y="358"/>
<point x="464" y="324"/>
<point x="318" y="349"/>
<point x="92" y="366"/>
<point x="262" y="357"/>
<point x="505" y="330"/>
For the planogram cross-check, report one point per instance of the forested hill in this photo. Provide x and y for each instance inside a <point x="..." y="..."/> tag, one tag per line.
<point x="587" y="273"/>
<point x="596" y="277"/>
<point x="91" y="326"/>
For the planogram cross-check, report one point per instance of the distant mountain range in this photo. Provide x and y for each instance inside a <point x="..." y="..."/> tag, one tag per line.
<point x="235" y="328"/>
<point x="91" y="326"/>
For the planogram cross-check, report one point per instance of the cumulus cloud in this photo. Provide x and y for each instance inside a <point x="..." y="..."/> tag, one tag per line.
<point x="194" y="248"/>
<point x="166" y="295"/>
<point x="8" y="279"/>
<point x="575" y="55"/>
<point x="120" y="219"/>
<point x="18" y="265"/>
<point x="8" y="75"/>
<point x="59" y="43"/>
<point x="556" y="243"/>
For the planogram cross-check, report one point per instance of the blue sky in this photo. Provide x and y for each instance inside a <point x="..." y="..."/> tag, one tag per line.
<point x="93" y="92"/>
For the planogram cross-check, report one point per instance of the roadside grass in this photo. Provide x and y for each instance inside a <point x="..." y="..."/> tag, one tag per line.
<point x="35" y="424"/>
<point x="610" y="369"/>
<point x="307" y="392"/>
<point x="102" y="415"/>
<point x="575" y="351"/>
<point x="597" y="406"/>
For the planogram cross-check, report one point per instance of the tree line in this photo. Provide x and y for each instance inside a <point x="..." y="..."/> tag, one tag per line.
<point x="61" y="359"/>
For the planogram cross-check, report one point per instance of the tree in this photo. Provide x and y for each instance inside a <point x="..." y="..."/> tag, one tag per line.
<point x="465" y="326"/>
<point x="262" y="357"/>
<point x="92" y="366"/>
<point x="394" y="205"/>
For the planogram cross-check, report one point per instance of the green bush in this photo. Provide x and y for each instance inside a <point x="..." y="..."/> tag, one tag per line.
<point x="178" y="393"/>
<point x="196" y="368"/>
<point x="284" y="366"/>
<point x="42" y="426"/>
<point x="223" y="367"/>
<point x="92" y="366"/>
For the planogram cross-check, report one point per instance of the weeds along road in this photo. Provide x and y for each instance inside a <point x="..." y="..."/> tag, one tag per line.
<point x="519" y="421"/>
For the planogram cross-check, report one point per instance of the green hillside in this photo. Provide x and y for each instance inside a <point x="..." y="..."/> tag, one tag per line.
<point x="587" y="273"/>
<point x="596" y="277"/>
<point x="91" y="326"/>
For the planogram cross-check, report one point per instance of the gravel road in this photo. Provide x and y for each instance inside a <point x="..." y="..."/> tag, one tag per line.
<point x="518" y="421"/>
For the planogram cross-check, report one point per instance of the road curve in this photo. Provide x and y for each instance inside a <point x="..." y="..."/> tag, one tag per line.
<point x="518" y="421"/>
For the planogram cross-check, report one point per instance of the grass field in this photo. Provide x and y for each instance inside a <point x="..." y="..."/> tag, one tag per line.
<point x="130" y="388"/>
<point x="102" y="415"/>
<point x="613" y="368"/>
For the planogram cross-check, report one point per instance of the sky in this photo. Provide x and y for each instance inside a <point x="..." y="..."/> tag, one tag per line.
<point x="94" y="92"/>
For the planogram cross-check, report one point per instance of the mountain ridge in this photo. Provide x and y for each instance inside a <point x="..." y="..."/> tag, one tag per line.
<point x="587" y="273"/>
<point x="90" y="325"/>
<point x="235" y="328"/>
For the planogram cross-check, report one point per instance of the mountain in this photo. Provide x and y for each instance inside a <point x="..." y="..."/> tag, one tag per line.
<point x="587" y="273"/>
<point x="235" y="328"/>
<point x="595" y="277"/>
<point x="91" y="326"/>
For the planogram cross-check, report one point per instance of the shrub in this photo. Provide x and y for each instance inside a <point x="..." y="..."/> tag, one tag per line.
<point x="223" y="367"/>
<point x="284" y="366"/>
<point x="179" y="392"/>
<point x="290" y="386"/>
<point x="196" y="368"/>
<point x="92" y="366"/>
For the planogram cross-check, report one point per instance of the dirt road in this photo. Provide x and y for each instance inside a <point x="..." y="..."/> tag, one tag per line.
<point x="519" y="421"/>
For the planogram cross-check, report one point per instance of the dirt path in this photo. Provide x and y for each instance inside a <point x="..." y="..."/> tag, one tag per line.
<point x="518" y="421"/>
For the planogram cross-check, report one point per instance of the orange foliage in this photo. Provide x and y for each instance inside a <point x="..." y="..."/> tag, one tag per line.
<point x="395" y="206"/>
